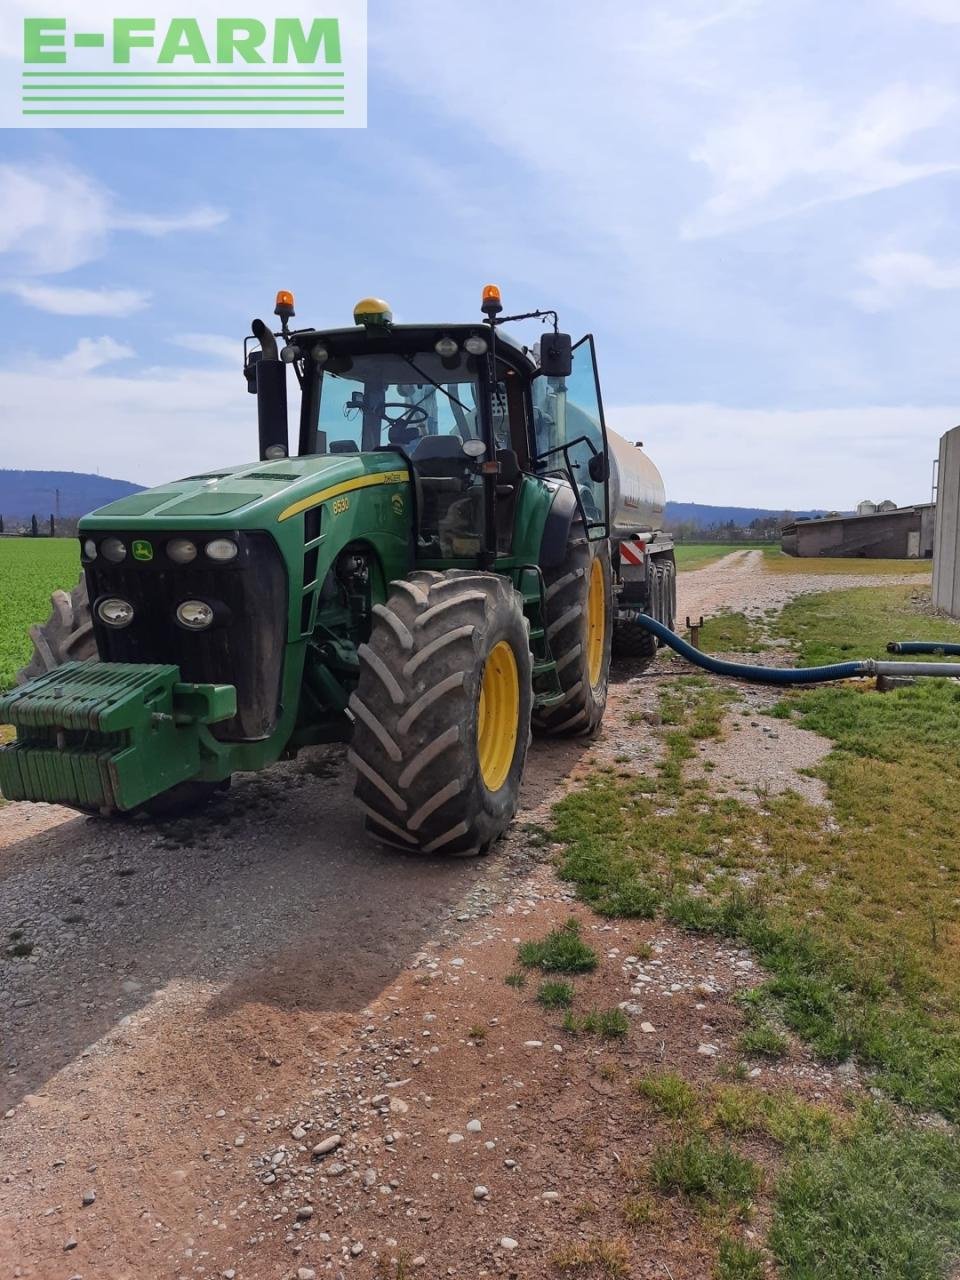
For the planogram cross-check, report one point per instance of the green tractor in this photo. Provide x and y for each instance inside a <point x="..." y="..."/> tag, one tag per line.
<point x="428" y="576"/>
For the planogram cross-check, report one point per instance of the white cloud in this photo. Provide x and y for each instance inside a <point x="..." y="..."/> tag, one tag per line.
<point x="212" y="344"/>
<point x="936" y="10"/>
<point x="204" y="218"/>
<point x="62" y="300"/>
<point x="147" y="428"/>
<point x="87" y="355"/>
<point x="669" y="30"/>
<point x="789" y="150"/>
<point x="56" y="218"/>
<point x="894" y="275"/>
<point x="789" y="459"/>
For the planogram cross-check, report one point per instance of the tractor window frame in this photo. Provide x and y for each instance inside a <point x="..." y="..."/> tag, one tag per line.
<point x="595" y="529"/>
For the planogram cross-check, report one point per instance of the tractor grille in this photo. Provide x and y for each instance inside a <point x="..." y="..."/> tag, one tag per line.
<point x="244" y="647"/>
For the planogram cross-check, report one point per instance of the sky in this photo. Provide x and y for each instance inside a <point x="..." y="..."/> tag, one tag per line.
<point x="754" y="206"/>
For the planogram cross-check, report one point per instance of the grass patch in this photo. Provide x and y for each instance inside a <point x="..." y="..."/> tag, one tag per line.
<point x="730" y="633"/>
<point x="763" y="1040"/>
<point x="30" y="570"/>
<point x="608" y="1258"/>
<point x="703" y="1170"/>
<point x="561" y="951"/>
<point x="609" y="1024"/>
<point x="777" y="561"/>
<point x="885" y="1203"/>
<point x="787" y="1119"/>
<point x="517" y="980"/>
<point x="555" y="995"/>
<point x="672" y="1096"/>
<point x="737" y="1260"/>
<point x="638" y="1211"/>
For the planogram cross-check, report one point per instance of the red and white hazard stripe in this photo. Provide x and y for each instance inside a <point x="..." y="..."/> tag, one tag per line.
<point x="633" y="551"/>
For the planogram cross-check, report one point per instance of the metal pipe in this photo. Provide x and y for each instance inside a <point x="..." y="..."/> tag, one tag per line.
<point x="785" y="675"/>
<point x="922" y="646"/>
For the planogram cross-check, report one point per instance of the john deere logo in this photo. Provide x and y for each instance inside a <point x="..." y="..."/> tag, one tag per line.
<point x="95" y="68"/>
<point x="141" y="549"/>
<point x="397" y="503"/>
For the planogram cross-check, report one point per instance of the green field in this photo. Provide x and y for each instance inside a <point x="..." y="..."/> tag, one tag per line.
<point x="30" y="569"/>
<point x="774" y="558"/>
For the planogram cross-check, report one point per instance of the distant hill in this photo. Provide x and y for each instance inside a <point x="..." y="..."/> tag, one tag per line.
<point x="27" y="493"/>
<point x="705" y="517"/>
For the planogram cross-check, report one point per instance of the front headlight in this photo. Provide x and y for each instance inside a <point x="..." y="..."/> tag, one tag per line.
<point x="114" y="550"/>
<point x="195" y="615"/>
<point x="446" y="347"/>
<point x="181" y="550"/>
<point x="89" y="549"/>
<point x="113" y="612"/>
<point x="222" y="549"/>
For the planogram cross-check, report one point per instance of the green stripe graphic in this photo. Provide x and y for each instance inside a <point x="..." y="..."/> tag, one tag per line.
<point x="163" y="97"/>
<point x="227" y="111"/>
<point x="182" y="73"/>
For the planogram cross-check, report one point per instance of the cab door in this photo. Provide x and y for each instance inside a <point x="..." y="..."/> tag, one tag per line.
<point x="571" y="435"/>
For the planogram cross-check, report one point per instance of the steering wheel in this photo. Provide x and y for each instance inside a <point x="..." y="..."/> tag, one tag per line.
<point x="404" y="426"/>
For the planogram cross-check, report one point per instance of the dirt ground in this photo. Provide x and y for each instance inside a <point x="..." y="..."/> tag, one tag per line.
<point x="253" y="1045"/>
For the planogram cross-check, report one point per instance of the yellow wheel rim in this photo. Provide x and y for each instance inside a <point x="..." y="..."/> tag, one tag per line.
<point x="498" y="716"/>
<point x="596" y="622"/>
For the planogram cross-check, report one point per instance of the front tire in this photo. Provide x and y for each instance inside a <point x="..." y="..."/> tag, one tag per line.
<point x="579" y="622"/>
<point x="66" y="636"/>
<point x="442" y="712"/>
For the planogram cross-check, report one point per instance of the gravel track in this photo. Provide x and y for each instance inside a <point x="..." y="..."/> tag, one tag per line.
<point x="185" y="971"/>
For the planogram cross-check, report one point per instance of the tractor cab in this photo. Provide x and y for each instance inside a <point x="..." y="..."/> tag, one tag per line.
<point x="470" y="410"/>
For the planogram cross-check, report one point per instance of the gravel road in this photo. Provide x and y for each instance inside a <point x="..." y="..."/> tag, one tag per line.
<point x="274" y="893"/>
<point x="740" y="583"/>
<point x="156" y="973"/>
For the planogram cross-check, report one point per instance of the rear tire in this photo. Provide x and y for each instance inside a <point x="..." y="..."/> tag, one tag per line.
<point x="66" y="636"/>
<point x="579" y="626"/>
<point x="442" y="712"/>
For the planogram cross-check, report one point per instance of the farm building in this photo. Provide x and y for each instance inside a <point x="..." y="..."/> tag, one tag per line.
<point x="880" y="530"/>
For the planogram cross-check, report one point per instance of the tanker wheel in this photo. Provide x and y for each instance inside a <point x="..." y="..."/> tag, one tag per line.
<point x="667" y="573"/>
<point x="579" y="623"/>
<point x="67" y="636"/>
<point x="633" y="644"/>
<point x="442" y="712"/>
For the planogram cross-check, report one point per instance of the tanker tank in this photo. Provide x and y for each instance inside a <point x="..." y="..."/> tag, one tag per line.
<point x="636" y="492"/>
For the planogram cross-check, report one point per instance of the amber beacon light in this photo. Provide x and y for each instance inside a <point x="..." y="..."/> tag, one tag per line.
<point x="490" y="303"/>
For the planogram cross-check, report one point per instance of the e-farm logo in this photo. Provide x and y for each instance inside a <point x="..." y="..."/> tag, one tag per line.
<point x="303" y="67"/>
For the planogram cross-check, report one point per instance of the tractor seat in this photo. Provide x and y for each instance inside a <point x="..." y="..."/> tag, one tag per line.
<point x="441" y="463"/>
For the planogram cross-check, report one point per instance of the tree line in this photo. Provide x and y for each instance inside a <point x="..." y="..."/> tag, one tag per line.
<point x="50" y="527"/>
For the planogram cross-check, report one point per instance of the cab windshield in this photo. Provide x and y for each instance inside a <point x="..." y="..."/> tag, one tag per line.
<point x="396" y="399"/>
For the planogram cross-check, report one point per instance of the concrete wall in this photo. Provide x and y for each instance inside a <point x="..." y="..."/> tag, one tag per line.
<point x="946" y="550"/>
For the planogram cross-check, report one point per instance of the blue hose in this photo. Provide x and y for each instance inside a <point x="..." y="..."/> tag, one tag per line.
<point x="922" y="646"/>
<point x="788" y="675"/>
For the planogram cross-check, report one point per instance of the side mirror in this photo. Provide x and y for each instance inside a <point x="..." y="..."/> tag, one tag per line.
<point x="599" y="468"/>
<point x="556" y="355"/>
